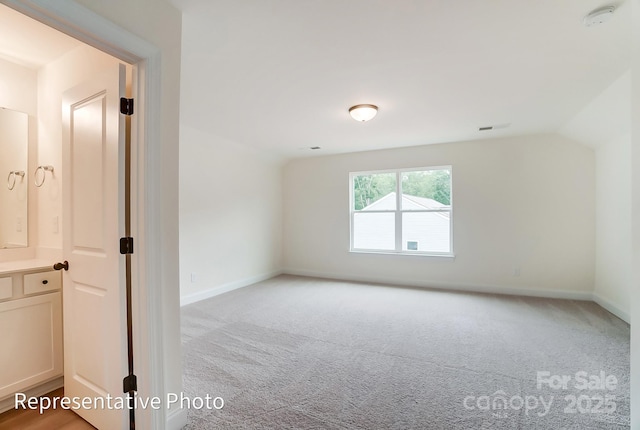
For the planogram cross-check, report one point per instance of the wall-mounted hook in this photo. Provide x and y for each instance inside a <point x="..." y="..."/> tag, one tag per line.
<point x="11" y="179"/>
<point x="44" y="170"/>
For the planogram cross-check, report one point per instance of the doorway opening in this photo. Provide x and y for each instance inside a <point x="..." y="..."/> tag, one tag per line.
<point x="97" y="34"/>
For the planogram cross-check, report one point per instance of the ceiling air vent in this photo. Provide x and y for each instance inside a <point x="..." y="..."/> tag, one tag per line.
<point x="314" y="147"/>
<point x="493" y="127"/>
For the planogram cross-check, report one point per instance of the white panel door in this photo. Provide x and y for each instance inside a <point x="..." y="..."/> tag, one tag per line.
<point x="93" y="287"/>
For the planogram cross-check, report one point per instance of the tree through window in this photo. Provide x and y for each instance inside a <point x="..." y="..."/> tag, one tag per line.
<point x="402" y="211"/>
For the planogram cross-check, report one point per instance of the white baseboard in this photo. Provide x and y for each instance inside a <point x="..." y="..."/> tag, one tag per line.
<point x="176" y="419"/>
<point x="476" y="288"/>
<point x="435" y="285"/>
<point x="225" y="288"/>
<point x="614" y="309"/>
<point x="47" y="387"/>
<point x="452" y="286"/>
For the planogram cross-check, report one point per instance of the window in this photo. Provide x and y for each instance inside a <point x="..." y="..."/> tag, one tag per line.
<point x="404" y="211"/>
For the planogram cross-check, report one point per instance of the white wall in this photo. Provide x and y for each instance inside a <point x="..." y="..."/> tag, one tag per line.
<point x="605" y="124"/>
<point x="230" y="215"/>
<point x="519" y="203"/>
<point x="18" y="88"/>
<point x="613" y="280"/>
<point x="635" y="217"/>
<point x="68" y="71"/>
<point x="230" y="193"/>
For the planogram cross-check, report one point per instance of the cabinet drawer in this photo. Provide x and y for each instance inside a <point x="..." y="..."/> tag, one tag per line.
<point x="41" y="282"/>
<point x="6" y="288"/>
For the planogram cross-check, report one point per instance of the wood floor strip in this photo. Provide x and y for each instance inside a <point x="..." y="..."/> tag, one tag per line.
<point x="60" y="419"/>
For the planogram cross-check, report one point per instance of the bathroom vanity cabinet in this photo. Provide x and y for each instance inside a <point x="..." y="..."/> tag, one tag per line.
<point x="30" y="325"/>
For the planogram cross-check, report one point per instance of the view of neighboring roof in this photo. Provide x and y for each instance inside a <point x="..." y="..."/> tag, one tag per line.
<point x="409" y="202"/>
<point x="421" y="231"/>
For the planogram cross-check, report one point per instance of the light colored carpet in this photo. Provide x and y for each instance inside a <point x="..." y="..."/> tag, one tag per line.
<point x="303" y="353"/>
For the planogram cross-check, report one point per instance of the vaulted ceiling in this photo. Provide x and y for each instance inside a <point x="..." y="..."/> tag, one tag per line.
<point x="280" y="75"/>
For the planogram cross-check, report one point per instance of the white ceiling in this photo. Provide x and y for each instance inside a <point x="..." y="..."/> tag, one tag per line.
<point x="280" y="75"/>
<point x="29" y="43"/>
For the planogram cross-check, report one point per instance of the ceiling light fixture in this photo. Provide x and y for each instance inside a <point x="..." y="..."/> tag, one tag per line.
<point x="363" y="112"/>
<point x="599" y="16"/>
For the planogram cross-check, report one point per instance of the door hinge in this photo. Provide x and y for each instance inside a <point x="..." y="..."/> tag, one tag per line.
<point x="126" y="245"/>
<point x="130" y="383"/>
<point x="126" y="106"/>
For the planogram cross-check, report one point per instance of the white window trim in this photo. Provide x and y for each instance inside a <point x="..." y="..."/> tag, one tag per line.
<point x="398" y="214"/>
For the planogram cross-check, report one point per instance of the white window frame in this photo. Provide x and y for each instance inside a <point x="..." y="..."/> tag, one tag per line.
<point x="398" y="213"/>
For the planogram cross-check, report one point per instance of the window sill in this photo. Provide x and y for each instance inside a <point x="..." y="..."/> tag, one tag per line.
<point x="450" y="256"/>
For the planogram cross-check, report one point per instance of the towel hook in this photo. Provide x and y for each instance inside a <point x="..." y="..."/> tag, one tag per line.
<point x="44" y="169"/>
<point x="11" y="179"/>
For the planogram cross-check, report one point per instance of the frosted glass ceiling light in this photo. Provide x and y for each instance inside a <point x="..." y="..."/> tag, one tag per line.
<point x="363" y="112"/>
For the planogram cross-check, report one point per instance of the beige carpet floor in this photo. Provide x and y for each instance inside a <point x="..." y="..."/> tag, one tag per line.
<point x="303" y="353"/>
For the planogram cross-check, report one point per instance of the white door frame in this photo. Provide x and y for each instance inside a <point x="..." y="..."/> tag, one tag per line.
<point x="95" y="30"/>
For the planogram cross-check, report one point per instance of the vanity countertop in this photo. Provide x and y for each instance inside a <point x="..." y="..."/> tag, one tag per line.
<point x="9" y="267"/>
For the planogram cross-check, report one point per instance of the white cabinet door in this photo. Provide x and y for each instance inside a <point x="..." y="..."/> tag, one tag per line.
<point x="95" y="336"/>
<point x="31" y="350"/>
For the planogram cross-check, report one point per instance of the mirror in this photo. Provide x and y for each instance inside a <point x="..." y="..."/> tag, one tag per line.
<point x="14" y="147"/>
